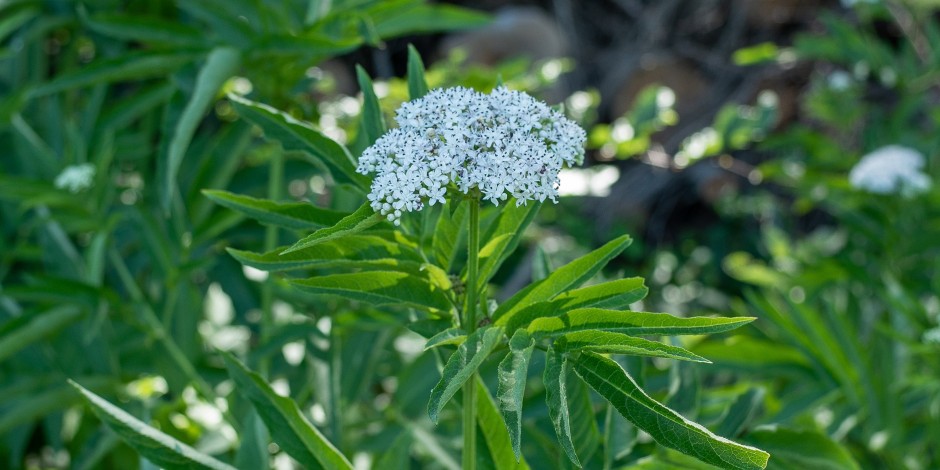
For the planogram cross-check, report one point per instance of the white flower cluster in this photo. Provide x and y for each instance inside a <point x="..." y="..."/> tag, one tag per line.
<point x="505" y="144"/>
<point x="890" y="170"/>
<point x="76" y="178"/>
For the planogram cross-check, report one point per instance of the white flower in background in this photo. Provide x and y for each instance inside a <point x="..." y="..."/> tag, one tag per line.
<point x="891" y="170"/>
<point x="505" y="144"/>
<point x="76" y="178"/>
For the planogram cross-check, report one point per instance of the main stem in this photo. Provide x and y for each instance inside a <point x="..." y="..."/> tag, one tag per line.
<point x="470" y="325"/>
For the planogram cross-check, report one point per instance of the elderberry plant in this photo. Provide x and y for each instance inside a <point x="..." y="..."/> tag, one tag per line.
<point x="423" y="246"/>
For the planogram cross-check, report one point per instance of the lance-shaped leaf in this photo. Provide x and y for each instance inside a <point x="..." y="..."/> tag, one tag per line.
<point x="288" y="426"/>
<point x="372" y="123"/>
<point x="567" y="277"/>
<point x="221" y="64"/>
<point x="619" y="343"/>
<point x="494" y="432"/>
<point x="301" y="136"/>
<point x="351" y="251"/>
<point x="449" y="336"/>
<point x="513" y="371"/>
<point x="632" y="323"/>
<point x="504" y="235"/>
<point x="556" y="396"/>
<point x="609" y="295"/>
<point x="289" y="215"/>
<point x="135" y="66"/>
<point x="363" y="218"/>
<point x="146" y="29"/>
<point x="670" y="429"/>
<point x="461" y="365"/>
<point x="152" y="444"/>
<point x="379" y="288"/>
<point x="20" y="332"/>
<point x="417" y="86"/>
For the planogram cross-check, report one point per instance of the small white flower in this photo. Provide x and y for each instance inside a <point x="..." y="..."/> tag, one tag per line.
<point x="891" y="170"/>
<point x="506" y="144"/>
<point x="76" y="178"/>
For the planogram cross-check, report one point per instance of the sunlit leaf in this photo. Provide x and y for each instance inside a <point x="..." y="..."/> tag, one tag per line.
<point x="670" y="429"/>
<point x="632" y="323"/>
<point x="378" y="288"/>
<point x="461" y="365"/>
<point x="619" y="343"/>
<point x="556" y="396"/>
<point x="363" y="218"/>
<point x="513" y="371"/>
<point x="151" y="443"/>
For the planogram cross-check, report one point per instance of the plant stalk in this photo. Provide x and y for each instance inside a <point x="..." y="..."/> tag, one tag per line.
<point x="470" y="325"/>
<point x="275" y="182"/>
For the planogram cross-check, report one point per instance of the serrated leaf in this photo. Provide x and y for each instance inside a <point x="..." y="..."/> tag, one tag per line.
<point x="632" y="323"/>
<point x="513" y="372"/>
<point x="20" y="332"/>
<point x="494" y="432"/>
<point x="220" y="65"/>
<point x="372" y="123"/>
<point x="295" y="135"/>
<point x="417" y="86"/>
<point x="504" y="235"/>
<point x="619" y="343"/>
<point x="288" y="426"/>
<point x="449" y="336"/>
<point x="134" y="66"/>
<point x="670" y="429"/>
<point x="149" y="442"/>
<point x="378" y="288"/>
<point x="354" y="251"/>
<point x="461" y="365"/>
<point x="801" y="449"/>
<point x="290" y="215"/>
<point x="445" y="243"/>
<point x="556" y="396"/>
<point x="567" y="277"/>
<point x="609" y="295"/>
<point x="363" y="218"/>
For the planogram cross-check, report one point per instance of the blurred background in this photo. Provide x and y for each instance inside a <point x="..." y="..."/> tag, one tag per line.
<point x="722" y="135"/>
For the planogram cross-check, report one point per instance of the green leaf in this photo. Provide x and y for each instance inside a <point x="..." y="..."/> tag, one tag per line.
<point x="135" y="66"/>
<point x="741" y="412"/>
<point x="504" y="235"/>
<point x="619" y="343"/>
<point x="352" y="251"/>
<point x="417" y="86"/>
<point x="288" y="426"/>
<point x="670" y="429"/>
<point x="494" y="432"/>
<point x="373" y="123"/>
<point x="567" y="277"/>
<point x="152" y="444"/>
<point x="379" y="288"/>
<point x="253" y="446"/>
<point x="609" y="295"/>
<point x="556" y="396"/>
<point x="801" y="449"/>
<point x="363" y="218"/>
<point x="632" y="323"/>
<point x="461" y="365"/>
<point x="221" y="64"/>
<point x="290" y="215"/>
<point x="449" y="336"/>
<point x="445" y="243"/>
<point x="295" y="135"/>
<point x="513" y="372"/>
<point x="423" y="18"/>
<point x="22" y="331"/>
<point x="153" y="30"/>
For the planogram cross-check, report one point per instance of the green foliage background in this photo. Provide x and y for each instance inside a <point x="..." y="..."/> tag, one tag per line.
<point x="109" y="286"/>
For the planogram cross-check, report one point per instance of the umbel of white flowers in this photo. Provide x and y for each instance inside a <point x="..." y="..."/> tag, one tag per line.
<point x="76" y="178"/>
<point x="505" y="144"/>
<point x="891" y="170"/>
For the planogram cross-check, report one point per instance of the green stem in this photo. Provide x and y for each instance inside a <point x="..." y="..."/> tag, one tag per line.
<point x="275" y="182"/>
<point x="470" y="325"/>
